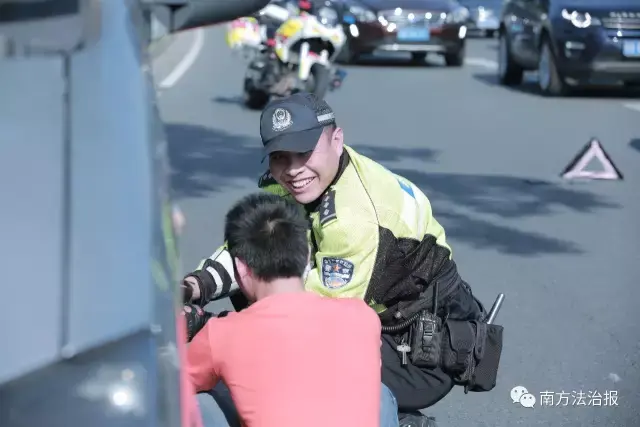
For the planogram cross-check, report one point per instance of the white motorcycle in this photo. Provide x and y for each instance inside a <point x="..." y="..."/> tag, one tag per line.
<point x="297" y="54"/>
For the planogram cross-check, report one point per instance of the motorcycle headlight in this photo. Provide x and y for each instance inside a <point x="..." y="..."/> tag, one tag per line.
<point x="580" y="19"/>
<point x="457" y="16"/>
<point x="328" y="16"/>
<point x="363" y="15"/>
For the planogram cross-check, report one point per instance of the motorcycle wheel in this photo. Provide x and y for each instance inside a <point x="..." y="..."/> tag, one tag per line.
<point x="254" y="99"/>
<point x="319" y="81"/>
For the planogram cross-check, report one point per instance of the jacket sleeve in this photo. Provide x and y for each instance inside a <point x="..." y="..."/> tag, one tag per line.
<point x="215" y="276"/>
<point x="344" y="258"/>
<point x="202" y="368"/>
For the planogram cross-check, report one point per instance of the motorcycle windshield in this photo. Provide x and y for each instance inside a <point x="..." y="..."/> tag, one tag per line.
<point x="328" y="17"/>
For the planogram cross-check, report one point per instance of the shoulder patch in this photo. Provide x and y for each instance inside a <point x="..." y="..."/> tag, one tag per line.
<point x="327" y="208"/>
<point x="406" y="187"/>
<point x="266" y="179"/>
<point x="336" y="272"/>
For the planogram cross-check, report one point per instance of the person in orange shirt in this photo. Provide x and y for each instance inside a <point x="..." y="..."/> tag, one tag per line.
<point x="292" y="358"/>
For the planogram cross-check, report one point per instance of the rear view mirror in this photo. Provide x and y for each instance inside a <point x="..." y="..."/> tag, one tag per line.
<point x="187" y="14"/>
<point x="68" y="25"/>
<point x="48" y="25"/>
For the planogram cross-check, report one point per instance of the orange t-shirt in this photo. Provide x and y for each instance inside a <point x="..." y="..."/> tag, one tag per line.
<point x="295" y="359"/>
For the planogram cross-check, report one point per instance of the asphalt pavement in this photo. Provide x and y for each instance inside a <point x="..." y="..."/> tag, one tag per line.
<point x="489" y="158"/>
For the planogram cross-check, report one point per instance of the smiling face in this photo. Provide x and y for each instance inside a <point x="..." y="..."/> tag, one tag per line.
<point x="307" y="175"/>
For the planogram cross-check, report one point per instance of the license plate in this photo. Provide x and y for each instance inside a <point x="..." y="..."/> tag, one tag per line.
<point x="631" y="48"/>
<point x="414" y="34"/>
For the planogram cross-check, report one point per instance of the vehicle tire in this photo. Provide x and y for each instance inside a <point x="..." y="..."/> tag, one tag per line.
<point x="418" y="56"/>
<point x="455" y="59"/>
<point x="490" y="34"/>
<point x="254" y="99"/>
<point x="549" y="80"/>
<point x="320" y="80"/>
<point x="509" y="72"/>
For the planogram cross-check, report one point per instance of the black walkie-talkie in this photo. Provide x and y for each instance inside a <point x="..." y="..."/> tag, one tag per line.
<point x="426" y="336"/>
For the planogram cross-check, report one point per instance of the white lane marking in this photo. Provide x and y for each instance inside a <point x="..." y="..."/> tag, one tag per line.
<point x="186" y="62"/>
<point x="482" y="62"/>
<point x="633" y="106"/>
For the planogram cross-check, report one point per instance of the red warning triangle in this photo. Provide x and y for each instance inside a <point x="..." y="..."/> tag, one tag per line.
<point x="592" y="150"/>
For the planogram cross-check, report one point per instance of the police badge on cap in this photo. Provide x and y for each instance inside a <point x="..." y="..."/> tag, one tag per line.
<point x="281" y="120"/>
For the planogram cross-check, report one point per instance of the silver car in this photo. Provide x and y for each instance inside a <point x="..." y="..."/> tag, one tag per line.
<point x="484" y="16"/>
<point x="91" y="335"/>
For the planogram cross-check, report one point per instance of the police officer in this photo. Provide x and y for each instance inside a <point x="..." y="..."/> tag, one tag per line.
<point x="373" y="236"/>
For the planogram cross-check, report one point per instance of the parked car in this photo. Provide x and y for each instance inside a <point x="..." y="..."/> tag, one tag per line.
<point x="418" y="27"/>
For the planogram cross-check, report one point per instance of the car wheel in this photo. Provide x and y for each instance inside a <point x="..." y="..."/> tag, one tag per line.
<point x="509" y="72"/>
<point x="490" y="34"/>
<point x="455" y="59"/>
<point x="549" y="79"/>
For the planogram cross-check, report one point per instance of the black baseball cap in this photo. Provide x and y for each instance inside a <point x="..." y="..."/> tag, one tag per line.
<point x="294" y="123"/>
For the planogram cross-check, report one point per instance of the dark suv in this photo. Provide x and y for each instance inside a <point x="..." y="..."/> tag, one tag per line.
<point x="570" y="42"/>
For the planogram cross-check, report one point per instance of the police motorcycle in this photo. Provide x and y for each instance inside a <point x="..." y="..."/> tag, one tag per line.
<point x="291" y="47"/>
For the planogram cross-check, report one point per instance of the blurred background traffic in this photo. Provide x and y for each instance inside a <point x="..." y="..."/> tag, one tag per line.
<point x="569" y="44"/>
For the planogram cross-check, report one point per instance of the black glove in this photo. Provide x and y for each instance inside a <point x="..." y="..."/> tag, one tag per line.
<point x="195" y="318"/>
<point x="208" y="284"/>
<point x="187" y="292"/>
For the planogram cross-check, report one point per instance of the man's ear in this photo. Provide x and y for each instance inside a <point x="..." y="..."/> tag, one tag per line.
<point x="337" y="140"/>
<point x="242" y="269"/>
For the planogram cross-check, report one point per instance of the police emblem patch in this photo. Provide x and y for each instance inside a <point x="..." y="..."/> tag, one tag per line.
<point x="281" y="120"/>
<point x="336" y="272"/>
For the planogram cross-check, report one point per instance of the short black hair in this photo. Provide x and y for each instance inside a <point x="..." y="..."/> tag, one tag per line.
<point x="269" y="234"/>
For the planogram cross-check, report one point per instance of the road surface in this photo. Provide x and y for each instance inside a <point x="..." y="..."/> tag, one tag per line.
<point x="565" y="254"/>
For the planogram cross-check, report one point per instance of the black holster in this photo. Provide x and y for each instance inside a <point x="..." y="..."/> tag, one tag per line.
<point x="468" y="350"/>
<point x="455" y="338"/>
<point x="471" y="353"/>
